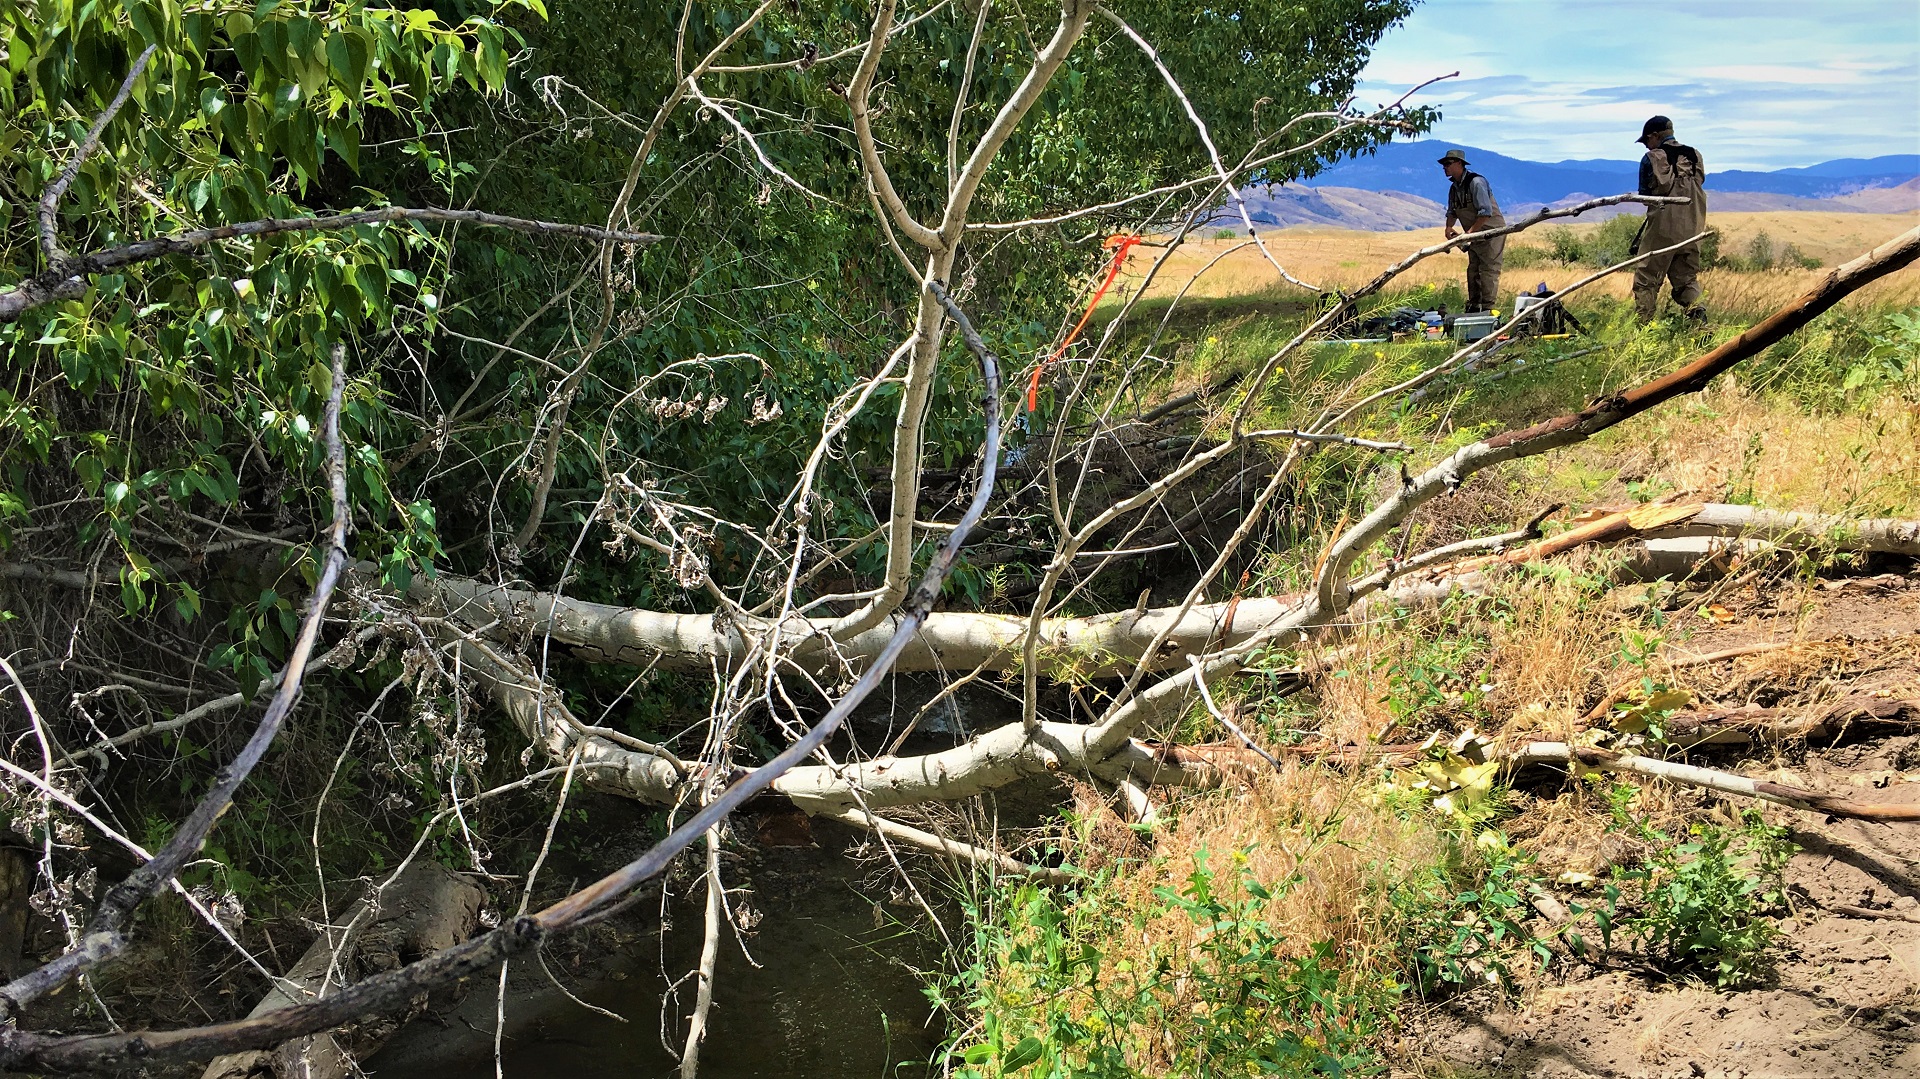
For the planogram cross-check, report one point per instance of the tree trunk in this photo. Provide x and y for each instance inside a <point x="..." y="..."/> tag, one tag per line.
<point x="16" y="886"/>
<point x="421" y="912"/>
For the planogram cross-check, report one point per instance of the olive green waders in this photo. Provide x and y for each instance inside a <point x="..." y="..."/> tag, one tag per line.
<point x="1483" y="258"/>
<point x="1677" y="170"/>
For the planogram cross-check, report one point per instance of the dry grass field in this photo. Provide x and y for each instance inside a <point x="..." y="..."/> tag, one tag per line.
<point x="1344" y="258"/>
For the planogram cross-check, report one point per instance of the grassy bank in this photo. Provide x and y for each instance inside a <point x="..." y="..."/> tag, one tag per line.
<point x="1286" y="924"/>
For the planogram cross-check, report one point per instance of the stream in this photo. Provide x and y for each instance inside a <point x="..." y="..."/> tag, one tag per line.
<point x="833" y="990"/>
<point x="834" y="996"/>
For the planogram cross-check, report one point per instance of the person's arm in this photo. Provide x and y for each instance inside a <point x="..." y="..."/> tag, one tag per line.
<point x="1646" y="175"/>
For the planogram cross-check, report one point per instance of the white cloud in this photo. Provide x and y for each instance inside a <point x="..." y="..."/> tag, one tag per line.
<point x="1774" y="82"/>
<point x="1799" y="76"/>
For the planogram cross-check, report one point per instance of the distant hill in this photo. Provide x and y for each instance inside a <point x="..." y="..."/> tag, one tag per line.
<point x="1410" y="167"/>
<point x="1336" y="207"/>
<point x="1400" y="187"/>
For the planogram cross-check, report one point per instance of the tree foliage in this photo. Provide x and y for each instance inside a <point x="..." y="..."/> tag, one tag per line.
<point x="186" y="389"/>
<point x="158" y="421"/>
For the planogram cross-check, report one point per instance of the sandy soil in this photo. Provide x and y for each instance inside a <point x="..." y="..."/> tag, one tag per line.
<point x="1844" y="999"/>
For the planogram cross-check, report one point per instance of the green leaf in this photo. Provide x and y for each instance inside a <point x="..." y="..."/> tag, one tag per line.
<point x="347" y="59"/>
<point x="272" y="34"/>
<point x="148" y="20"/>
<point x="199" y="27"/>
<point x="1023" y="1054"/>
<point x="246" y="49"/>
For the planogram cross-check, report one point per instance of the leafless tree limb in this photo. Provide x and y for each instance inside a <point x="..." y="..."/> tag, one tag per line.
<point x="50" y="198"/>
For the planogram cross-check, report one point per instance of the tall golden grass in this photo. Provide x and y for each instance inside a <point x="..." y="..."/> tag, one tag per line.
<point x="1341" y="258"/>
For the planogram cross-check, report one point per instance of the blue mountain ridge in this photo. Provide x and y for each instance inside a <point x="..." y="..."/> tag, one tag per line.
<point x="1411" y="167"/>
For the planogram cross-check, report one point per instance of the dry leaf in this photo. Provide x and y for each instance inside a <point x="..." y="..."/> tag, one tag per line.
<point x="1716" y="612"/>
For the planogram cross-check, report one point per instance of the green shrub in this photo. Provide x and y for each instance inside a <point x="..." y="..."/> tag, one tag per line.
<point x="1763" y="255"/>
<point x="1608" y="244"/>
<point x="1703" y="903"/>
<point x="1600" y="248"/>
<point x="1459" y="936"/>
<point x="1567" y="247"/>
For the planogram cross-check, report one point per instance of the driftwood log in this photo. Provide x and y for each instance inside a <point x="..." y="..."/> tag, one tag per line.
<point x="422" y="911"/>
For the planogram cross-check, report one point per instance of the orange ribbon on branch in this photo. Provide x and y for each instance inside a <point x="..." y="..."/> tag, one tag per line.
<point x="1119" y="245"/>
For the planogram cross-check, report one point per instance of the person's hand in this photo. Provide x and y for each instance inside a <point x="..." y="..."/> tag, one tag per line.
<point x="1452" y="232"/>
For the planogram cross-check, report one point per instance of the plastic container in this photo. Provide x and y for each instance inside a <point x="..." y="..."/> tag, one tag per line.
<point x="1473" y="327"/>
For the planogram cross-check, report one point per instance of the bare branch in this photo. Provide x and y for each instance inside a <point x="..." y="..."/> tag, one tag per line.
<point x="1206" y="139"/>
<point x="120" y="901"/>
<point x="50" y="198"/>
<point x="857" y="94"/>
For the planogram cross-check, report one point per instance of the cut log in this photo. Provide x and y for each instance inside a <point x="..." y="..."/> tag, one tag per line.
<point x="424" y="910"/>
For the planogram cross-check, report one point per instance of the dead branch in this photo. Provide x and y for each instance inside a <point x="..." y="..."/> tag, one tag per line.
<point x="709" y="958"/>
<point x="1860" y="712"/>
<point x="950" y="849"/>
<point x="1535" y="753"/>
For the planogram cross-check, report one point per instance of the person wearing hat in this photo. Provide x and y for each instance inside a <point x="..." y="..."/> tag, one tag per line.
<point x="1670" y="168"/>
<point x="1471" y="206"/>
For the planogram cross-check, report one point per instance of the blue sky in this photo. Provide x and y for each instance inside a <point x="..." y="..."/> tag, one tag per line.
<point x="1760" y="84"/>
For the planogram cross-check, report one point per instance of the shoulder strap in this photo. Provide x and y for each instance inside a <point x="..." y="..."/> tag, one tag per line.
<point x="1681" y="152"/>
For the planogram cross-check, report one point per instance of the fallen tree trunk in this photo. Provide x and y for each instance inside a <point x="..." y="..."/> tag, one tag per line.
<point x="423" y="910"/>
<point x="1092" y="646"/>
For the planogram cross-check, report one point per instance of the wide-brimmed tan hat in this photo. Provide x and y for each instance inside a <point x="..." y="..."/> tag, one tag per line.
<point x="1454" y="155"/>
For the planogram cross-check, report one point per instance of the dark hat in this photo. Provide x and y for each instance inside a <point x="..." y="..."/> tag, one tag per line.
<point x="1659" y="125"/>
<point x="1454" y="155"/>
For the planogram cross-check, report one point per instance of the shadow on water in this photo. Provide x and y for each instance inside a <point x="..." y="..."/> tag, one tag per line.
<point x="834" y="995"/>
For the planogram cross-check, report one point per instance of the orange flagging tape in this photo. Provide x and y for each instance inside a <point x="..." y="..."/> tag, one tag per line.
<point x="1119" y="245"/>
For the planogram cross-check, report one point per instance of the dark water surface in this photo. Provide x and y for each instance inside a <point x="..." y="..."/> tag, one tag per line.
<point x="835" y="995"/>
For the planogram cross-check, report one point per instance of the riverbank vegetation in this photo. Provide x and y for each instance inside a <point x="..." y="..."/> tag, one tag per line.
<point x="421" y="423"/>
<point x="1303" y="918"/>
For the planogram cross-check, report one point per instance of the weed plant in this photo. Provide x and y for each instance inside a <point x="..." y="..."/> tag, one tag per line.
<point x="1060" y="993"/>
<point x="1703" y="903"/>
